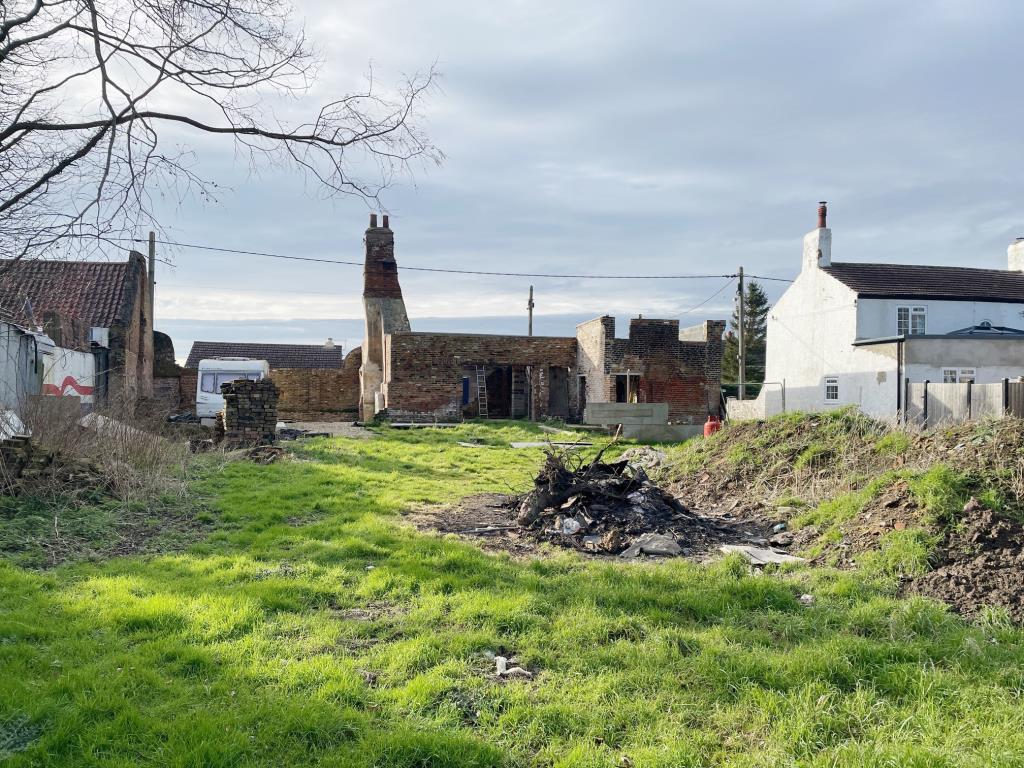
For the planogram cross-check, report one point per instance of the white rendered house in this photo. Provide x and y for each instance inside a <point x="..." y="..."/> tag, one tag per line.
<point x="847" y="333"/>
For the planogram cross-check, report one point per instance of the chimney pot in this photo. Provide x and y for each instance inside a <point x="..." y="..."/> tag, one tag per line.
<point x="329" y="344"/>
<point x="385" y="224"/>
<point x="822" y="214"/>
<point x="373" y="221"/>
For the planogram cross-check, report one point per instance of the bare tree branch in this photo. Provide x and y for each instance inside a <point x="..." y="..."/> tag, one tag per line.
<point x="88" y="87"/>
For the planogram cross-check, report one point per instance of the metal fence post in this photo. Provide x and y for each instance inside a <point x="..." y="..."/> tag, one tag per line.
<point x="924" y="417"/>
<point x="1006" y="397"/>
<point x="970" y="390"/>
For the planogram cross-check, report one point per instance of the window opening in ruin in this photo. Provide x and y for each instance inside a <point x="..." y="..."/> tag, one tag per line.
<point x="627" y="387"/>
<point x="465" y="390"/>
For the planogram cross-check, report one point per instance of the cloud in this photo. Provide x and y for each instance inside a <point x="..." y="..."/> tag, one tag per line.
<point x="661" y="138"/>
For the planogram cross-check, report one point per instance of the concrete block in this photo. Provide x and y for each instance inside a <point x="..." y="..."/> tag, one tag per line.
<point x="661" y="433"/>
<point x="626" y="413"/>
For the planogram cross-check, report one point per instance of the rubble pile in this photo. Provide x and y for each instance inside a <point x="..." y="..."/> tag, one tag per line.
<point x="24" y="463"/>
<point x="250" y="412"/>
<point x="603" y="507"/>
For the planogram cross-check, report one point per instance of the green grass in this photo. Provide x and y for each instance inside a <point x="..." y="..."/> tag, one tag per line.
<point x="245" y="649"/>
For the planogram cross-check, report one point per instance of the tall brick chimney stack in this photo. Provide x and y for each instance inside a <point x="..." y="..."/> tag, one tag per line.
<point x="380" y="270"/>
<point x="385" y="313"/>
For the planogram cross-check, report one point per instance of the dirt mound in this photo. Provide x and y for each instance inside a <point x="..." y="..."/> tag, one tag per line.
<point x="980" y="564"/>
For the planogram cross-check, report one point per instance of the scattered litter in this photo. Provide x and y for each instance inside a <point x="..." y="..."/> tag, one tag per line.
<point x="506" y="672"/>
<point x="264" y="454"/>
<point x="545" y="445"/>
<point x="759" y="556"/>
<point x="653" y="544"/>
<point x="416" y="425"/>
<point x="778" y="528"/>
<point x="807" y="600"/>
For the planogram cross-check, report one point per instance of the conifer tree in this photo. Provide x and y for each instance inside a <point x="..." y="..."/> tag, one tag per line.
<point x="755" y="319"/>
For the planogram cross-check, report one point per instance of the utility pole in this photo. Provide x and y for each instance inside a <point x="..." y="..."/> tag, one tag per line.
<point x="529" y="309"/>
<point x="741" y="353"/>
<point x="152" y="289"/>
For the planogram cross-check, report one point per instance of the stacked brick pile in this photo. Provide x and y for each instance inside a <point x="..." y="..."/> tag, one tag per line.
<point x="250" y="412"/>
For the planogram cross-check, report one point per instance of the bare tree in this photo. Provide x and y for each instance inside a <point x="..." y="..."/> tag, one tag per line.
<point x="88" y="87"/>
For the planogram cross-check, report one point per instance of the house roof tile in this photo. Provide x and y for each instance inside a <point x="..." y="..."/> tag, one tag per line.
<point x="907" y="281"/>
<point x="90" y="291"/>
<point x="277" y="355"/>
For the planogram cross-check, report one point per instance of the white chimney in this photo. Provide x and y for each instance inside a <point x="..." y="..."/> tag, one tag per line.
<point x="818" y="243"/>
<point x="329" y="344"/>
<point x="1015" y="256"/>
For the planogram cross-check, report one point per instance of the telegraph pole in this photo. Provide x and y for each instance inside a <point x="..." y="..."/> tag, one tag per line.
<point x="152" y="288"/>
<point x="529" y="309"/>
<point x="741" y="353"/>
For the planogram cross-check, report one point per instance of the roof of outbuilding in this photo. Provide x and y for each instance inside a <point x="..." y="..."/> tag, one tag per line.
<point x="908" y="281"/>
<point x="277" y="355"/>
<point x="91" y="291"/>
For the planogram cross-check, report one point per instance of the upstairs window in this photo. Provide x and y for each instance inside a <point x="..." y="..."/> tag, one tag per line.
<point x="831" y="389"/>
<point x="911" y="321"/>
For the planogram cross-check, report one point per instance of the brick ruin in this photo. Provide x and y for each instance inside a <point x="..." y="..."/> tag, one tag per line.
<point x="409" y="375"/>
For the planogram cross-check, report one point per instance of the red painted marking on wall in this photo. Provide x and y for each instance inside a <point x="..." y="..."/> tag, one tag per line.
<point x="68" y="383"/>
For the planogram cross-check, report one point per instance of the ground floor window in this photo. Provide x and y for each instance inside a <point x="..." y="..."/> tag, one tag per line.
<point x="958" y="375"/>
<point x="831" y="389"/>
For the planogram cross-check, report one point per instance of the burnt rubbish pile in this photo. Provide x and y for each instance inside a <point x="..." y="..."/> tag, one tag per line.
<point x="609" y="507"/>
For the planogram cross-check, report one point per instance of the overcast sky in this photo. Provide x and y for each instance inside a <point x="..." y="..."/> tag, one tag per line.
<point x="657" y="137"/>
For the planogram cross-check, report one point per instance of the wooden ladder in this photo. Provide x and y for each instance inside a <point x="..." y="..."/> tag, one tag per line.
<point x="481" y="391"/>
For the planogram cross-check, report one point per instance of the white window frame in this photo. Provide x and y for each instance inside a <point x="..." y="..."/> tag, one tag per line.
<point x="831" y="381"/>
<point x="959" y="375"/>
<point x="905" y="325"/>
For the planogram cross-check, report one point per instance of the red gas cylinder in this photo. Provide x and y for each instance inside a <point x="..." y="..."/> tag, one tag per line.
<point x="711" y="426"/>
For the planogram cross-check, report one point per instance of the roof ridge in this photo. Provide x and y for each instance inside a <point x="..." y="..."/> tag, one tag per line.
<point x="919" y="266"/>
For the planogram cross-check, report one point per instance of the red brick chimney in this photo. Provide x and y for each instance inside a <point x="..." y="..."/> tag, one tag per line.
<point x="380" y="270"/>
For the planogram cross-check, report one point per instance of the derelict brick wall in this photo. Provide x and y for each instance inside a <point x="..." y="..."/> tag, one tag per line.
<point x="424" y="370"/>
<point x="314" y="393"/>
<point x="684" y="374"/>
<point x="188" y="381"/>
<point x="167" y="392"/>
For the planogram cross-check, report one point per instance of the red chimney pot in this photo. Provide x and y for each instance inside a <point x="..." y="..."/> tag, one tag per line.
<point x="373" y="221"/>
<point x="822" y="214"/>
<point x="385" y="224"/>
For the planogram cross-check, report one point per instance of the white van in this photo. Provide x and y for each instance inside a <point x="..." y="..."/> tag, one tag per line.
<point x="221" y="370"/>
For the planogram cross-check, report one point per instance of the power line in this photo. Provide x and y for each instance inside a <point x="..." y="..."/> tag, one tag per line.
<point x="437" y="269"/>
<point x="709" y="298"/>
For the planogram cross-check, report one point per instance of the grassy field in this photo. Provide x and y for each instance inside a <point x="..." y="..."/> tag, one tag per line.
<point x="310" y="627"/>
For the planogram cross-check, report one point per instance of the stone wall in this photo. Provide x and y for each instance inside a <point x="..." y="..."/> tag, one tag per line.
<point x="320" y="394"/>
<point x="423" y="378"/>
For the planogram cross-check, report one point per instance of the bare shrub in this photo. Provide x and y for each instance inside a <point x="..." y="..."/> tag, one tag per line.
<point x="134" y="451"/>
